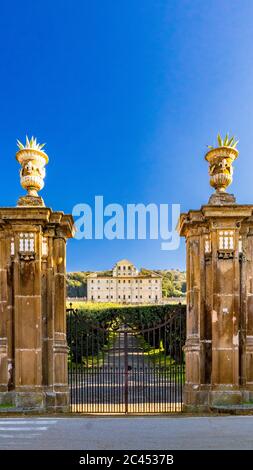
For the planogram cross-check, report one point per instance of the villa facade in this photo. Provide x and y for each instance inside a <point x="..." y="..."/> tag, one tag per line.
<point x="125" y="284"/>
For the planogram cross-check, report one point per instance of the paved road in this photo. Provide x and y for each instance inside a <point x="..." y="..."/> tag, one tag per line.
<point x="127" y="433"/>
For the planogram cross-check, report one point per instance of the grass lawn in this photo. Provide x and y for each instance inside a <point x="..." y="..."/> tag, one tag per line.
<point x="83" y="304"/>
<point x="93" y="305"/>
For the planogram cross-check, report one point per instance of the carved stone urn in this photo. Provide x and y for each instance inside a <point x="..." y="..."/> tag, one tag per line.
<point x="32" y="160"/>
<point x="220" y="161"/>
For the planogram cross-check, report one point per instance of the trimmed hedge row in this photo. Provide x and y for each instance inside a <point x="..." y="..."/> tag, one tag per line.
<point x="134" y="315"/>
<point x="88" y="331"/>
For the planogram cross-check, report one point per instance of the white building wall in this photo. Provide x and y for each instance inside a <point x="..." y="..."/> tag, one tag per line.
<point x="124" y="286"/>
<point x="133" y="289"/>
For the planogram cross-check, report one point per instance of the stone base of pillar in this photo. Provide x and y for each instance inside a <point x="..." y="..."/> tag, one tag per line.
<point x="57" y="401"/>
<point x="30" y="400"/>
<point x="225" y="397"/>
<point x="198" y="399"/>
<point x="247" y="395"/>
<point x="7" y="398"/>
<point x="36" y="400"/>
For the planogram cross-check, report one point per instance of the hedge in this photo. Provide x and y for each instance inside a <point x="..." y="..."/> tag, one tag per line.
<point x="88" y="331"/>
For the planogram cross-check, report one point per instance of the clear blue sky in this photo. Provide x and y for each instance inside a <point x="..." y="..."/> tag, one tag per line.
<point x="126" y="93"/>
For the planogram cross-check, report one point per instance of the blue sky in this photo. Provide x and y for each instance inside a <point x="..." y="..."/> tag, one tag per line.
<point x="126" y="94"/>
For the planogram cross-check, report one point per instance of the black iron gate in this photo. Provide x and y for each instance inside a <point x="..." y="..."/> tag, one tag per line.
<point x="124" y="367"/>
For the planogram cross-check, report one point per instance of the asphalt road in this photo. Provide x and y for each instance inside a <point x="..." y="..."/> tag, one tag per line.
<point x="139" y="433"/>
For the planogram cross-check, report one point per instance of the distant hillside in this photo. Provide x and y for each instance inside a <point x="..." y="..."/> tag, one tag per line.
<point x="173" y="284"/>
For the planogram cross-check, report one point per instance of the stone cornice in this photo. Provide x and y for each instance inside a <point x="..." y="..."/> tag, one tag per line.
<point x="38" y="216"/>
<point x="202" y="216"/>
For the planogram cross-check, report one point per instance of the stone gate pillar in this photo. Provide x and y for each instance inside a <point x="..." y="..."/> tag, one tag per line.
<point x="33" y="348"/>
<point x="219" y="245"/>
